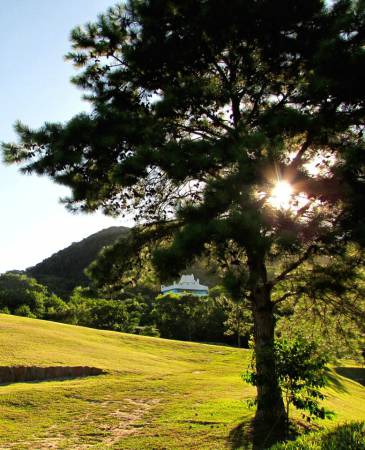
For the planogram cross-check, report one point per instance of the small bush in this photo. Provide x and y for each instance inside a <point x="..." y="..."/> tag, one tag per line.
<point x="343" y="437"/>
<point x="147" y="330"/>
<point x="24" y="310"/>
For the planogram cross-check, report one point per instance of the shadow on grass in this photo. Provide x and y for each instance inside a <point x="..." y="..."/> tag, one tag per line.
<point x="347" y="436"/>
<point x="335" y="382"/>
<point x="241" y="436"/>
<point x="256" y="436"/>
<point x="353" y="373"/>
<point x="350" y="436"/>
<point x="250" y="435"/>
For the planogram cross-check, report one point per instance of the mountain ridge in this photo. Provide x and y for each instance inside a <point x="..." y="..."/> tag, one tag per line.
<point x="62" y="271"/>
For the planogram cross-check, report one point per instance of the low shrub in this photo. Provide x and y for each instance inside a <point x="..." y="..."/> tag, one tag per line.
<point x="343" y="437"/>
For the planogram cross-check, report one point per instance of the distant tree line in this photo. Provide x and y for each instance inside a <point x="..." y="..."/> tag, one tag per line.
<point x="215" y="318"/>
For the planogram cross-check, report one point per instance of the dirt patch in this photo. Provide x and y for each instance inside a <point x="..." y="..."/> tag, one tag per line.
<point x="128" y="418"/>
<point x="45" y="444"/>
<point x="16" y="374"/>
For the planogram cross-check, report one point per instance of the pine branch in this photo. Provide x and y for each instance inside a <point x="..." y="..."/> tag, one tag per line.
<point x="292" y="266"/>
<point x="284" y="297"/>
<point x="297" y="161"/>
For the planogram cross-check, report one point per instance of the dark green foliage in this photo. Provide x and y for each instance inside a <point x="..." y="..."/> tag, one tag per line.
<point x="182" y="317"/>
<point x="25" y="311"/>
<point x="176" y="316"/>
<point x="109" y="315"/>
<point x="147" y="330"/>
<point x="238" y="321"/>
<point x="237" y="315"/>
<point x="24" y="296"/>
<point x="187" y="317"/>
<point x="64" y="270"/>
<point x="105" y="314"/>
<point x="55" y="309"/>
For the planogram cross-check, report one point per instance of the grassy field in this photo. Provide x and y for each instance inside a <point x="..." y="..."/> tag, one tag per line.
<point x="157" y="394"/>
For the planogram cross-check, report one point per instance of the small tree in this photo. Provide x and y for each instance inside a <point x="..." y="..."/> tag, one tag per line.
<point x="301" y="372"/>
<point x="239" y="320"/>
<point x="238" y="316"/>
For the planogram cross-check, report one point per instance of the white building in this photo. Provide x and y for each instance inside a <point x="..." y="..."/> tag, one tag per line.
<point x="187" y="284"/>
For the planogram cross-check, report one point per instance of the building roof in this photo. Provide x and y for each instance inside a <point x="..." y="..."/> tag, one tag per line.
<point x="186" y="283"/>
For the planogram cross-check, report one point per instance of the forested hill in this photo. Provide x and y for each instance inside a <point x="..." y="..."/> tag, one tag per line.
<point x="64" y="270"/>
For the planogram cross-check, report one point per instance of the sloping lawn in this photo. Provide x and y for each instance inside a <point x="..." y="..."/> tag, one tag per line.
<point x="157" y="394"/>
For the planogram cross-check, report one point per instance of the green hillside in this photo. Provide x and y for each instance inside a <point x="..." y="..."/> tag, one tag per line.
<point x="64" y="270"/>
<point x="157" y="394"/>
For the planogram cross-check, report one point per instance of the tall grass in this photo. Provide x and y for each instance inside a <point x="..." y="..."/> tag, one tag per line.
<point x="350" y="436"/>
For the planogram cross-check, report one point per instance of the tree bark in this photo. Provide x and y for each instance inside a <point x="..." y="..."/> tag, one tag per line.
<point x="270" y="413"/>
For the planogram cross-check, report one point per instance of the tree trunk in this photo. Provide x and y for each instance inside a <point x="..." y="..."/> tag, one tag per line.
<point x="270" y="413"/>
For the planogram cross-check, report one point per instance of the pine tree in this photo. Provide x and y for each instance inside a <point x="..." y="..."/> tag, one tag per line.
<point x="233" y="129"/>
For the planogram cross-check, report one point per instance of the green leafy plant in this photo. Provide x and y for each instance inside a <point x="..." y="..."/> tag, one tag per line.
<point x="301" y="372"/>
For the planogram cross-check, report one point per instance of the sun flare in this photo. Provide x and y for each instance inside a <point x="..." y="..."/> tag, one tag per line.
<point x="281" y="195"/>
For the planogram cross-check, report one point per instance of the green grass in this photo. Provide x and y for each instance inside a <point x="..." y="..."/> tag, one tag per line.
<point x="343" y="437"/>
<point x="158" y="394"/>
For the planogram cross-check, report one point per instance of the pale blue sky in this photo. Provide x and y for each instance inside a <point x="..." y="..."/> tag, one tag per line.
<point x="35" y="87"/>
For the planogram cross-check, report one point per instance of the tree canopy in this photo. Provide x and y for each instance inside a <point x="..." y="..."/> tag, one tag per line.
<point x="234" y="128"/>
<point x="24" y="296"/>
